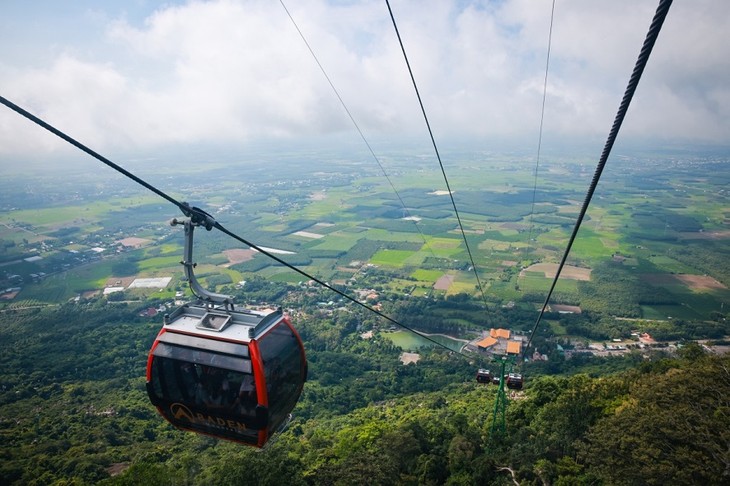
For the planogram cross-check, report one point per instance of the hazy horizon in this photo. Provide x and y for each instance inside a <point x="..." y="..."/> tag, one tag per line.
<point x="227" y="78"/>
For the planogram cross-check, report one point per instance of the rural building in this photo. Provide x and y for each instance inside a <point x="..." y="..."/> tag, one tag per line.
<point x="500" y="342"/>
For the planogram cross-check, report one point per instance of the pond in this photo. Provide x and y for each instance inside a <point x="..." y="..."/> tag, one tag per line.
<point x="409" y="341"/>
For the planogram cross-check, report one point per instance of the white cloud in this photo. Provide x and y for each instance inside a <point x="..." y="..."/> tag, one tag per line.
<point x="229" y="71"/>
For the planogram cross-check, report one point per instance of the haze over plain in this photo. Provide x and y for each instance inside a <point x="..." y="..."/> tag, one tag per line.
<point x="142" y="78"/>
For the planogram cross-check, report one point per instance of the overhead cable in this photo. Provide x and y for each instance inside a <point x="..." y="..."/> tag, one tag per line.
<point x="651" y="37"/>
<point x="205" y="219"/>
<point x="438" y="156"/>
<point x="86" y="149"/>
<point x="357" y="127"/>
<point x="542" y="118"/>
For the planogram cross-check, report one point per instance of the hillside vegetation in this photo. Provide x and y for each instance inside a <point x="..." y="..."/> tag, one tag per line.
<point x="73" y="410"/>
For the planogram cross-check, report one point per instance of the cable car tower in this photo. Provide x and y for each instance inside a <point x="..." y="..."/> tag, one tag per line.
<point x="499" y="422"/>
<point x="504" y="377"/>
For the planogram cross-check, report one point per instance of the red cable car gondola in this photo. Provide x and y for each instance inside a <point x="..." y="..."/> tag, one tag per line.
<point x="514" y="381"/>
<point x="225" y="371"/>
<point x="484" y="376"/>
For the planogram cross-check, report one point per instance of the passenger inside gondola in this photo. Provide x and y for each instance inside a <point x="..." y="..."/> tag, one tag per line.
<point x="215" y="392"/>
<point x="246" y="399"/>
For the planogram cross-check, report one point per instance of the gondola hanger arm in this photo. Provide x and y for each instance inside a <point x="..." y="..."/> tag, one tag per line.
<point x="198" y="217"/>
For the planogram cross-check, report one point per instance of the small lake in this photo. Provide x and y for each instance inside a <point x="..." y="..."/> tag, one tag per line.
<point x="408" y="341"/>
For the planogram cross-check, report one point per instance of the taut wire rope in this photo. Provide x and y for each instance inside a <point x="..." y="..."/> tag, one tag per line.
<point x="357" y="127"/>
<point x="542" y="119"/>
<point x="649" y="41"/>
<point x="438" y="156"/>
<point x="201" y="217"/>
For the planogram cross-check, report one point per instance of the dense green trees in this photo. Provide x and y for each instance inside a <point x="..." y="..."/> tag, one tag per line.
<point x="674" y="428"/>
<point x="73" y="408"/>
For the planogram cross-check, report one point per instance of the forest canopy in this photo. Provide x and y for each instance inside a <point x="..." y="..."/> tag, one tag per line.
<point x="363" y="415"/>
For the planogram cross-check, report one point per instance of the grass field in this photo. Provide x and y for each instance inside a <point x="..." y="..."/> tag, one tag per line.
<point x="156" y="264"/>
<point x="443" y="247"/>
<point x="392" y="258"/>
<point x="663" y="312"/>
<point x="533" y="282"/>
<point x="338" y="242"/>
<point x="427" y="275"/>
<point x="557" y="328"/>
<point x="57" y="217"/>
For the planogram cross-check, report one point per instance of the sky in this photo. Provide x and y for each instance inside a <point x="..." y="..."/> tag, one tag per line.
<point x="141" y="76"/>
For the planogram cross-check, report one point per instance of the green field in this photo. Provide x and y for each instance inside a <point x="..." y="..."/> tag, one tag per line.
<point x="392" y="258"/>
<point x="75" y="215"/>
<point x="654" y="230"/>
<point x="427" y="275"/>
<point x="339" y="242"/>
<point x="532" y="282"/>
<point x="663" y="312"/>
<point x="151" y="265"/>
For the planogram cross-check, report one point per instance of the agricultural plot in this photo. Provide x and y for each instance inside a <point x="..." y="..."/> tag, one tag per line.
<point x="494" y="245"/>
<point x="287" y="277"/>
<point x="392" y="258"/>
<point x="589" y="246"/>
<point x="74" y="215"/>
<point x="537" y="282"/>
<point x="64" y="286"/>
<point x="505" y="291"/>
<point x="162" y="263"/>
<point x="670" y="265"/>
<point x="338" y="242"/>
<point x="338" y="223"/>
<point x="443" y="247"/>
<point x="459" y="286"/>
<point x="548" y="271"/>
<point x="16" y="235"/>
<point x="696" y="295"/>
<point x="427" y="275"/>
<point x="236" y="256"/>
<point x="444" y="282"/>
<point x="664" y="312"/>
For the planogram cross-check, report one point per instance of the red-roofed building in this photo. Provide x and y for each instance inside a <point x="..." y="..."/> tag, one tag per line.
<point x="487" y="342"/>
<point x="498" y="342"/>
<point x="499" y="333"/>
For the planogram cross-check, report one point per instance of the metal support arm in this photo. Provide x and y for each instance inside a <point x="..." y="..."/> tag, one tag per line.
<point x="188" y="264"/>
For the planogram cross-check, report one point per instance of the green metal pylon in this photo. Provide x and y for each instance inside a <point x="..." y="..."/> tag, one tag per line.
<point x="499" y="422"/>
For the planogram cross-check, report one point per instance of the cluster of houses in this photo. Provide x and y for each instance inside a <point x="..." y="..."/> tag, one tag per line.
<point x="497" y="342"/>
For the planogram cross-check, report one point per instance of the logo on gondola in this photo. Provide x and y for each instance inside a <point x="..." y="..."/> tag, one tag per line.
<point x="181" y="411"/>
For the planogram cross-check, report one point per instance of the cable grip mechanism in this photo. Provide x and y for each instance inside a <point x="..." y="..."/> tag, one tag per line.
<point x="198" y="290"/>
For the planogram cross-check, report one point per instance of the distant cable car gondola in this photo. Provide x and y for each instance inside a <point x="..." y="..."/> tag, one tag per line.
<point x="514" y="381"/>
<point x="484" y="376"/>
<point x="222" y="370"/>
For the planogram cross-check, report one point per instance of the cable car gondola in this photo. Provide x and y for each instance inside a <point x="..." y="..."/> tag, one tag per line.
<point x="514" y="381"/>
<point x="222" y="370"/>
<point x="484" y="376"/>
